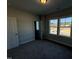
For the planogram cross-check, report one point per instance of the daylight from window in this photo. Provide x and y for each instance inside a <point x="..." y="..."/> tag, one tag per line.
<point x="53" y="26"/>
<point x="65" y="26"/>
<point x="37" y="25"/>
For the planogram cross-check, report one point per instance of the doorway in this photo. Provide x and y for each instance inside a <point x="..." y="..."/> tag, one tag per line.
<point x="37" y="30"/>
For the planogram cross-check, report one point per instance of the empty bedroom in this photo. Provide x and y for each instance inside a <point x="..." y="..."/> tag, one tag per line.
<point x="39" y="29"/>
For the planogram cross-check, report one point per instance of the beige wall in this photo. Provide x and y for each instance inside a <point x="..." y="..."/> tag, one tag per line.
<point x="25" y="25"/>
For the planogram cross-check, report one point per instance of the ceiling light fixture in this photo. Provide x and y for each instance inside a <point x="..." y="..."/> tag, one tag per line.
<point x="43" y="1"/>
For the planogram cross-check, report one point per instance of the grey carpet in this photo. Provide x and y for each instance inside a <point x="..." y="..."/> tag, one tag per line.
<point x="40" y="50"/>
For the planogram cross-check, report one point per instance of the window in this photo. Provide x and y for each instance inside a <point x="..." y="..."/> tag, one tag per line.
<point x="37" y="25"/>
<point x="65" y="26"/>
<point x="53" y="26"/>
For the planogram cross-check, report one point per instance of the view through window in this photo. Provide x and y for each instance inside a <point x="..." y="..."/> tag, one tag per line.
<point x="65" y="26"/>
<point x="53" y="26"/>
<point x="37" y="25"/>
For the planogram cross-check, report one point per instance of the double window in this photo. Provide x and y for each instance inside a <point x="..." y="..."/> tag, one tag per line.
<point x="53" y="26"/>
<point x="62" y="26"/>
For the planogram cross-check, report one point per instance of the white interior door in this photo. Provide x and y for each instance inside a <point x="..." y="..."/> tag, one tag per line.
<point x="12" y="34"/>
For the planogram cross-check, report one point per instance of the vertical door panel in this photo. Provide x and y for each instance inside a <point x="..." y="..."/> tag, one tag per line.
<point x="12" y="37"/>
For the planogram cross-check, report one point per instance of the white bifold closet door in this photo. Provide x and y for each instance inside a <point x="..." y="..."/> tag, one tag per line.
<point x="12" y="34"/>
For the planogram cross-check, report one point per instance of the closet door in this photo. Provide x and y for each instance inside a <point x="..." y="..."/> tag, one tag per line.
<point x="12" y="34"/>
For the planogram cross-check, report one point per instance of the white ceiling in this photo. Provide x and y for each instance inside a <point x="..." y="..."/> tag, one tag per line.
<point x="34" y="6"/>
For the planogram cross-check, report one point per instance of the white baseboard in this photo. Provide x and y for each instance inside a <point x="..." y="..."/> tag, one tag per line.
<point x="26" y="41"/>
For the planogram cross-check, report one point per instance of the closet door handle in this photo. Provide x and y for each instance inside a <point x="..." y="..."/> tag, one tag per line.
<point x="16" y="34"/>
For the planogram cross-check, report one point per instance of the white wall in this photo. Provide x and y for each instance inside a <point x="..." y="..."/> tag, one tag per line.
<point x="25" y="24"/>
